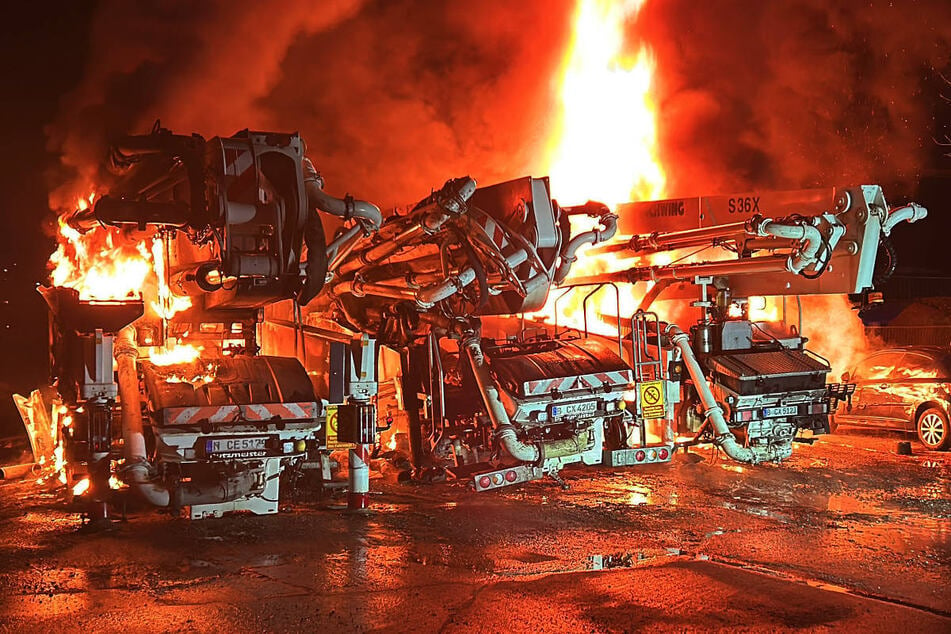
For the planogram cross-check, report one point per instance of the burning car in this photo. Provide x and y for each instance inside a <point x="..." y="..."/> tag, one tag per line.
<point x="905" y="388"/>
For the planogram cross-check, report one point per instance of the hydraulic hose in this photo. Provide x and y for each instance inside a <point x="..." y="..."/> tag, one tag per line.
<point x="712" y="410"/>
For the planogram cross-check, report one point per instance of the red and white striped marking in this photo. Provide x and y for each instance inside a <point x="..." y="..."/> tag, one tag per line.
<point x="237" y="161"/>
<point x="358" y="496"/>
<point x="254" y="412"/>
<point x="594" y="380"/>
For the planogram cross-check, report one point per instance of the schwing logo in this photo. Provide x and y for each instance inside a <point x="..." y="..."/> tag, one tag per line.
<point x="666" y="209"/>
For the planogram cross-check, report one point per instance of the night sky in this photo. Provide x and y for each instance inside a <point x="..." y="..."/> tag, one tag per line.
<point x="395" y="97"/>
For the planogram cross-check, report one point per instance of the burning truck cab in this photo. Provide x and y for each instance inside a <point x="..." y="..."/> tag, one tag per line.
<point x="167" y="390"/>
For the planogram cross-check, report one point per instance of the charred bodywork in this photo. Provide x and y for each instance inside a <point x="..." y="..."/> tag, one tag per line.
<point x="234" y="215"/>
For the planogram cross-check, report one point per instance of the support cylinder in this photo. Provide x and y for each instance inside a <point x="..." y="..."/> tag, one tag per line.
<point x="358" y="497"/>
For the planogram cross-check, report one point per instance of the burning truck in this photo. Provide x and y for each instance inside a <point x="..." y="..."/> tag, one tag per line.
<point x="220" y="377"/>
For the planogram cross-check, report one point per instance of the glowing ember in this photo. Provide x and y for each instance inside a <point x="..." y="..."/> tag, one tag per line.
<point x="606" y="146"/>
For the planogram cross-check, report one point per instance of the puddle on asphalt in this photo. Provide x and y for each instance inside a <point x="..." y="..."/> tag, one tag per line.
<point x="757" y="511"/>
<point x="640" y="495"/>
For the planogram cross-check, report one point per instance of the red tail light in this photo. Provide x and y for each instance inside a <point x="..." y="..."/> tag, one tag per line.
<point x="484" y="482"/>
<point x="511" y="476"/>
<point x="640" y="455"/>
<point x="663" y="453"/>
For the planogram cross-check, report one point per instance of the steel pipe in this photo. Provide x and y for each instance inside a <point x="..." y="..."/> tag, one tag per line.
<point x="689" y="237"/>
<point x="606" y="231"/>
<point x="810" y="238"/>
<point x="378" y="253"/>
<point x="912" y="212"/>
<point x="359" y="289"/>
<point x="346" y="208"/>
<point x="712" y="410"/>
<point x="504" y="430"/>
<point x="340" y="248"/>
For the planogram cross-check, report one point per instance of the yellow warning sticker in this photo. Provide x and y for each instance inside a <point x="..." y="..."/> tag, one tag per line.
<point x="653" y="404"/>
<point x="332" y="443"/>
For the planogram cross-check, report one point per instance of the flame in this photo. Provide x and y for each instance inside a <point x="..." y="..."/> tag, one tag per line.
<point x="81" y="487"/>
<point x="762" y="309"/>
<point x="605" y="147"/>
<point x="100" y="264"/>
<point x="182" y="353"/>
<point x="59" y="462"/>
<point x="757" y="308"/>
<point x="167" y="303"/>
<point x="106" y="263"/>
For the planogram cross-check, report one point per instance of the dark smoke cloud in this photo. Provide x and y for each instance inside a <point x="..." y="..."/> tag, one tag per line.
<point x="395" y="96"/>
<point x="797" y="93"/>
<point x="199" y="66"/>
<point x="407" y="94"/>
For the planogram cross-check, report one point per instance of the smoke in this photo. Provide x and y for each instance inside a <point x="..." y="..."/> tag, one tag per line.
<point x="836" y="332"/>
<point x="200" y="67"/>
<point x="396" y="96"/>
<point x="405" y="95"/>
<point x="796" y="93"/>
<point x="393" y="97"/>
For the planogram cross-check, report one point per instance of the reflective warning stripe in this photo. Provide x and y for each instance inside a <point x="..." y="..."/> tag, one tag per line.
<point x="256" y="412"/>
<point x="594" y="380"/>
<point x="237" y="161"/>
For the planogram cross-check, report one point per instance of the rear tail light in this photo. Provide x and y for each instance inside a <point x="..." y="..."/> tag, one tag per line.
<point x="511" y="476"/>
<point x="663" y="454"/>
<point x="640" y="455"/>
<point x="485" y="482"/>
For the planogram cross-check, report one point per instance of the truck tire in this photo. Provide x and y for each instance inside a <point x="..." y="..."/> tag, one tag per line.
<point x="932" y="428"/>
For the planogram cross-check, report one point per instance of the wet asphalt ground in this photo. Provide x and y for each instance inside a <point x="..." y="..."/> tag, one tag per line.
<point x="846" y="535"/>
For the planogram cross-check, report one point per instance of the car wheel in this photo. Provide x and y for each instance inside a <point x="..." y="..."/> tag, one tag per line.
<point x="932" y="428"/>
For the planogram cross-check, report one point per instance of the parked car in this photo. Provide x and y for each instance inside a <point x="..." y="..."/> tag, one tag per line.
<point x="907" y="388"/>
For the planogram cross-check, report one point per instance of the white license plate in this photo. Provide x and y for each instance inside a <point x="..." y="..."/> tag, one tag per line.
<point x="776" y="412"/>
<point x="582" y="408"/>
<point x="244" y="446"/>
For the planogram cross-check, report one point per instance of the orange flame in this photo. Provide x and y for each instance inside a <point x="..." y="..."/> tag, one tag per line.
<point x="182" y="353"/>
<point x="606" y="145"/>
<point x="100" y="264"/>
<point x="107" y="264"/>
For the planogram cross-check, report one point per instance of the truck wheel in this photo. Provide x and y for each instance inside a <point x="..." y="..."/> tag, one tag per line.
<point x="932" y="428"/>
